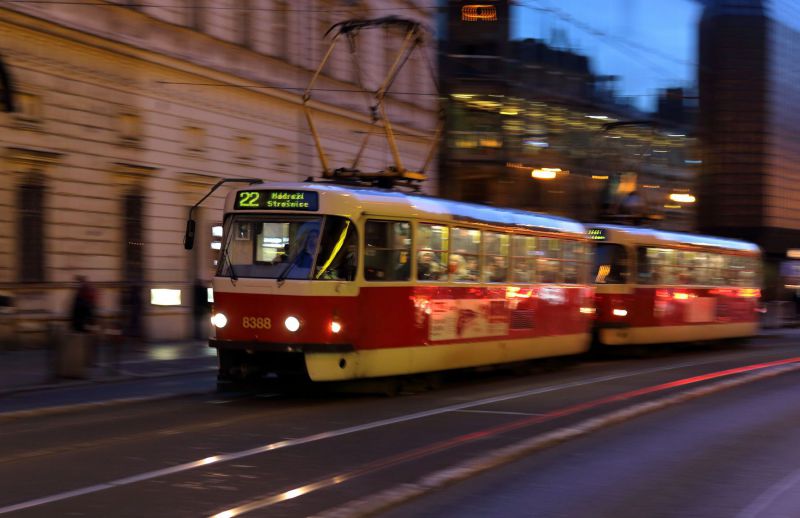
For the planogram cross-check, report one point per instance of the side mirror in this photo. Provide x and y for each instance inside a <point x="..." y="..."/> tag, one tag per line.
<point x="188" y="238"/>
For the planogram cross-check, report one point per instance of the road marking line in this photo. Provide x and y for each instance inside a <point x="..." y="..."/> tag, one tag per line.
<point x="401" y="493"/>
<point x="765" y="499"/>
<point x="495" y="412"/>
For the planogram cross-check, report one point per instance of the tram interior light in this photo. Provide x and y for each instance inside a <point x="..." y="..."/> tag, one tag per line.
<point x="292" y="324"/>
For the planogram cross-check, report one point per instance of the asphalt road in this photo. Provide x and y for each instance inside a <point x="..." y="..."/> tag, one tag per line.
<point x="592" y="448"/>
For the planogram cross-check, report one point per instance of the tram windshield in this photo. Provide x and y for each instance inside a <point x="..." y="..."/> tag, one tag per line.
<point x="289" y="247"/>
<point x="610" y="264"/>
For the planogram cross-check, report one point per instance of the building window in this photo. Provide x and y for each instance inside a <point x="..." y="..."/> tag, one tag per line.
<point x="28" y="112"/>
<point x="244" y="20"/>
<point x="196" y="12"/>
<point x="282" y="155"/>
<point x="244" y="148"/>
<point x="195" y="139"/>
<point x="323" y="24"/>
<point x="130" y="128"/>
<point x="133" y="253"/>
<point x="30" y="206"/>
<point x="280" y="29"/>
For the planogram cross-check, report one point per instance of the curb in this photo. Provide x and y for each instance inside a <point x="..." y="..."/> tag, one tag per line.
<point x="76" y="407"/>
<point x="402" y="493"/>
<point x="121" y="377"/>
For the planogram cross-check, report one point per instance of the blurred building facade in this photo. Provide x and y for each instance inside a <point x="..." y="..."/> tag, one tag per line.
<point x="126" y="113"/>
<point x="515" y="107"/>
<point x="749" y="73"/>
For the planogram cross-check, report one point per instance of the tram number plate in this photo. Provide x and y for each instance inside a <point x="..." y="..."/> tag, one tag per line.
<point x="276" y="200"/>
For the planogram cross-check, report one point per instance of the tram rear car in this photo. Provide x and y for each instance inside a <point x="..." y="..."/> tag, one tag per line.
<point x="661" y="287"/>
<point x="337" y="283"/>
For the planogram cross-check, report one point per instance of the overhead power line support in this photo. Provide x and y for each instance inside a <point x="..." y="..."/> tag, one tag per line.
<point x="376" y="104"/>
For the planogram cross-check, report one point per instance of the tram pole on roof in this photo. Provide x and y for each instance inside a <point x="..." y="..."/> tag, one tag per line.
<point x="397" y="172"/>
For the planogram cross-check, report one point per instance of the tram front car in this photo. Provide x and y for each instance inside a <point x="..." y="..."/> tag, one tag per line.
<point x="283" y="288"/>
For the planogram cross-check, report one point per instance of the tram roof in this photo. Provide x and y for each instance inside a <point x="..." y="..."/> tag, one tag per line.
<point x="386" y="202"/>
<point x="666" y="237"/>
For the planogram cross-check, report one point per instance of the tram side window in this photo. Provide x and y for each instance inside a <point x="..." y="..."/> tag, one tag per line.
<point x="387" y="253"/>
<point x="656" y="265"/>
<point x="570" y="264"/>
<point x="495" y="257"/>
<point x="523" y="259"/>
<point x="585" y="252"/>
<point x="549" y="260"/>
<point x="743" y="271"/>
<point x="717" y="268"/>
<point x="465" y="254"/>
<point x="691" y="268"/>
<point x="432" y="246"/>
<point x="611" y="264"/>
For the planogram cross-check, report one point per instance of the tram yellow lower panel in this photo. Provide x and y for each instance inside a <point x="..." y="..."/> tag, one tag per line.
<point x="669" y="334"/>
<point x="430" y="358"/>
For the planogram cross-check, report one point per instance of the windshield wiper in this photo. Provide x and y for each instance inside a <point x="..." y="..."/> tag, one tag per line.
<point x="234" y="277"/>
<point x="282" y="277"/>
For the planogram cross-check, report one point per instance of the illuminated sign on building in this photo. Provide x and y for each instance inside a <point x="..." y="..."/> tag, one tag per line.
<point x="478" y="13"/>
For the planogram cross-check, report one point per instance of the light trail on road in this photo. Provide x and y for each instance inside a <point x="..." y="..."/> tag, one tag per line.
<point x="227" y="457"/>
<point x="430" y="449"/>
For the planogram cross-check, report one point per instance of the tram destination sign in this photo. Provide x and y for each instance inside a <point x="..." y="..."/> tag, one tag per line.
<point x="276" y="200"/>
<point x="597" y="234"/>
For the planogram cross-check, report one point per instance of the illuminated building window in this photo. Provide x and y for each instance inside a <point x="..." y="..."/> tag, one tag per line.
<point x="478" y="13"/>
<point x="30" y="224"/>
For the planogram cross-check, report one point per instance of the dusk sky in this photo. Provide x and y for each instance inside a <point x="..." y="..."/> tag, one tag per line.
<point x="649" y="44"/>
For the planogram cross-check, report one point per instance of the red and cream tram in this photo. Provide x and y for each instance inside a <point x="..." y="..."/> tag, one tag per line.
<point x="654" y="286"/>
<point x="336" y="283"/>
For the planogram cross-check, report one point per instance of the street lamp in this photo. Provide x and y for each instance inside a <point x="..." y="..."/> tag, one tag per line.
<point x="545" y="173"/>
<point x="682" y="197"/>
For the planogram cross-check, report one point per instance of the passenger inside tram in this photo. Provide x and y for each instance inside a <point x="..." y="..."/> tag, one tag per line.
<point x="427" y="267"/>
<point x="458" y="267"/>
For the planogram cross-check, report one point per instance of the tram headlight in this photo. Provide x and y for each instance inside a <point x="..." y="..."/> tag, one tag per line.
<point x="620" y="312"/>
<point x="219" y="320"/>
<point x="335" y="327"/>
<point x="292" y="324"/>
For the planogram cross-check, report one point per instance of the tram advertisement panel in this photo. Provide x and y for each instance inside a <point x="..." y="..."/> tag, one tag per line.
<point x="453" y="319"/>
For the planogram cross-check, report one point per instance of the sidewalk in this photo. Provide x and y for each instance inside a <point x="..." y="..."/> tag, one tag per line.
<point x="35" y="369"/>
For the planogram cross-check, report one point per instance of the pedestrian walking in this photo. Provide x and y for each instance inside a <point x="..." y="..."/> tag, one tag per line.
<point x="83" y="306"/>
<point x="132" y="311"/>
